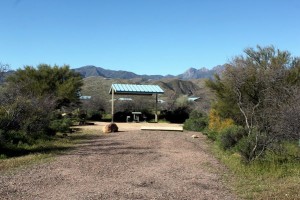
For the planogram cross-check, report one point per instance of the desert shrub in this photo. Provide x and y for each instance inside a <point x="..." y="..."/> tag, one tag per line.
<point x="81" y="116"/>
<point x="211" y="134"/>
<point x="2" y="140"/>
<point x="121" y="116"/>
<point x="230" y="136"/>
<point x="216" y="123"/>
<point x="61" y="125"/>
<point x="94" y="115"/>
<point x="16" y="137"/>
<point x="252" y="146"/>
<point x="283" y="152"/>
<point x="147" y="115"/>
<point x="179" y="115"/>
<point x="197" y="121"/>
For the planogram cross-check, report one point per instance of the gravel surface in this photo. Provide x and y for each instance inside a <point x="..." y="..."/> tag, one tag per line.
<point x="125" y="165"/>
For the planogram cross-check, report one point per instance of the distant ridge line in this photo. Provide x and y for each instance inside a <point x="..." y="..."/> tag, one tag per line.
<point x="191" y="73"/>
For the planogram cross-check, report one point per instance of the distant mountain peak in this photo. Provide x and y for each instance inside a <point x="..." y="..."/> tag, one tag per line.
<point x="203" y="69"/>
<point x="191" y="69"/>
<point x="191" y="73"/>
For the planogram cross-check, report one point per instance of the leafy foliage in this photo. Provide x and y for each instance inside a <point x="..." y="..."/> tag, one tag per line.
<point x="230" y="136"/>
<point x="94" y="115"/>
<point x="60" y="82"/>
<point x="61" y="125"/>
<point x="197" y="121"/>
<point x="256" y="91"/>
<point x="216" y="123"/>
<point x="178" y="115"/>
<point x="29" y="99"/>
<point x="252" y="146"/>
<point x="121" y="116"/>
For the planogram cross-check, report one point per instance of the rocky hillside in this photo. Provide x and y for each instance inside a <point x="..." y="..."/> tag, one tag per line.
<point x="90" y="70"/>
<point x="98" y="88"/>
<point x="192" y="73"/>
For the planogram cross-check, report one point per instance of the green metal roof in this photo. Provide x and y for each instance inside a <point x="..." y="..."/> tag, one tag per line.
<point x="135" y="89"/>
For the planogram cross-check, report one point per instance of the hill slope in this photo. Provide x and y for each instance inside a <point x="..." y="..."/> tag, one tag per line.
<point x="98" y="87"/>
<point x="192" y="73"/>
<point x="91" y="70"/>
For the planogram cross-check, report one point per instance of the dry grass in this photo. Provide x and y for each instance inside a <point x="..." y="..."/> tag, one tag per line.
<point x="17" y="162"/>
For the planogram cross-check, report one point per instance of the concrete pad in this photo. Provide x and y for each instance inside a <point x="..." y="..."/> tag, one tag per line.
<point x="162" y="128"/>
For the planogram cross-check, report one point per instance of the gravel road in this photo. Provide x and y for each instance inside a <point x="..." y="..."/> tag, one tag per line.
<point x="125" y="165"/>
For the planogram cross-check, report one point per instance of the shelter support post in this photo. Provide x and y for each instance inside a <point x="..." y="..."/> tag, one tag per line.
<point x="156" y="101"/>
<point x="112" y="105"/>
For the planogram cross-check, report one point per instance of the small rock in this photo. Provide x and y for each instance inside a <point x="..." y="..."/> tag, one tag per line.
<point x="195" y="136"/>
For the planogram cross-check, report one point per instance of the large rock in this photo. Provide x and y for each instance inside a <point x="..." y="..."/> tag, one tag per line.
<point x="110" y="128"/>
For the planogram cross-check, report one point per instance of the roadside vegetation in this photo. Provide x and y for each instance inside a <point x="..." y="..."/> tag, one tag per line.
<point x="255" y="123"/>
<point x="35" y="104"/>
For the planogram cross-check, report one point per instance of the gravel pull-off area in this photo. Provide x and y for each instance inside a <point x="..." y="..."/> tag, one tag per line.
<point x="124" y="165"/>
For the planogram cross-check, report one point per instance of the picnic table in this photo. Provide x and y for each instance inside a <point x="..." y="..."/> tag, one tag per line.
<point x="136" y="116"/>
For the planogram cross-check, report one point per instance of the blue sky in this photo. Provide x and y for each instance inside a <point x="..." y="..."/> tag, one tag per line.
<point x="143" y="36"/>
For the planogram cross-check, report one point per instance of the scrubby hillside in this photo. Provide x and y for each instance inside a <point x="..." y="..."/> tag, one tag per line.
<point x="98" y="87"/>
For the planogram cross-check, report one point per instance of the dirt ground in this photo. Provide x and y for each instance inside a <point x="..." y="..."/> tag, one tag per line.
<point x="130" y="164"/>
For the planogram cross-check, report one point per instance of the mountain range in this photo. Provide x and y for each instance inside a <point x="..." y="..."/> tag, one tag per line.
<point x="191" y="73"/>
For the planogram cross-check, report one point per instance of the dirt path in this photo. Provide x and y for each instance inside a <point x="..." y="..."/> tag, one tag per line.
<point x="124" y="165"/>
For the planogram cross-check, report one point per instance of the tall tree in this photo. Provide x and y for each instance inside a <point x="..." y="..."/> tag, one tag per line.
<point x="30" y="97"/>
<point x="60" y="82"/>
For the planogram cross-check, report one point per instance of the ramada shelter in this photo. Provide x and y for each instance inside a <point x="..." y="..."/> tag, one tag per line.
<point x="133" y="89"/>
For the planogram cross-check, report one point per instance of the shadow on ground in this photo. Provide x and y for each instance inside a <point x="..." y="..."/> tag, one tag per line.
<point x="53" y="145"/>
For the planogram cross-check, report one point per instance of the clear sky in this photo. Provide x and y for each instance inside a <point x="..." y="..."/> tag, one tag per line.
<point x="143" y="36"/>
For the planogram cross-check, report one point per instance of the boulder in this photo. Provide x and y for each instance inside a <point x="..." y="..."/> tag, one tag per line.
<point x="110" y="128"/>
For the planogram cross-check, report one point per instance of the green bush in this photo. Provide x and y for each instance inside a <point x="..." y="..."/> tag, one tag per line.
<point x="252" y="146"/>
<point x="195" y="114"/>
<point x="284" y="152"/>
<point x="211" y="134"/>
<point x="16" y="137"/>
<point x="179" y="115"/>
<point x="61" y="125"/>
<point x="198" y="121"/>
<point x="121" y="116"/>
<point x="2" y="139"/>
<point x="230" y="136"/>
<point x="147" y="115"/>
<point x="94" y="115"/>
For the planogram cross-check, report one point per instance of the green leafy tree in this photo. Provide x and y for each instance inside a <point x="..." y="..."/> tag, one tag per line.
<point x="29" y="98"/>
<point x="60" y="82"/>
